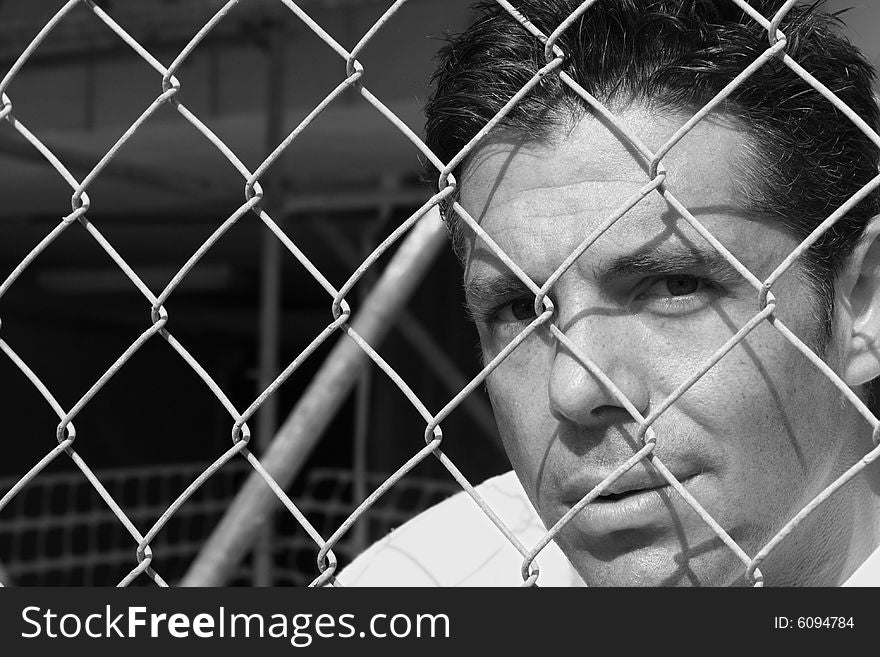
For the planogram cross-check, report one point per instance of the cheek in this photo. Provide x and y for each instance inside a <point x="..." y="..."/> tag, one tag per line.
<point x="517" y="390"/>
<point x="767" y="408"/>
<point x="768" y="424"/>
<point x="763" y="381"/>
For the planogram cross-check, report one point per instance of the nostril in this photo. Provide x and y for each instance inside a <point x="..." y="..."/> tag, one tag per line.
<point x="608" y="413"/>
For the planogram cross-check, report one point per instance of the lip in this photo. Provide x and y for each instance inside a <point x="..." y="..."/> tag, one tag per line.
<point x="639" y="501"/>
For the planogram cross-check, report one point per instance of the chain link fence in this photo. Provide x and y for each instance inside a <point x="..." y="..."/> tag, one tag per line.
<point x="57" y="532"/>
<point x="362" y="324"/>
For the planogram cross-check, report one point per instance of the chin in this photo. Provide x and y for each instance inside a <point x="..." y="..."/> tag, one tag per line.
<point x="658" y="566"/>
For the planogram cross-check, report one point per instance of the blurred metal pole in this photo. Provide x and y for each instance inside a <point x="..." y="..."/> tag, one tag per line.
<point x="359" y="484"/>
<point x="270" y="292"/>
<point x="360" y="537"/>
<point x="414" y="332"/>
<point x="318" y="404"/>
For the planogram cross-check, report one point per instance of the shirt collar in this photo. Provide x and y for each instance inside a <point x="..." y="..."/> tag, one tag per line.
<point x="868" y="574"/>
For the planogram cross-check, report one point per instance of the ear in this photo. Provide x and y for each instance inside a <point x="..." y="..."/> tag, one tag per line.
<point x="857" y="297"/>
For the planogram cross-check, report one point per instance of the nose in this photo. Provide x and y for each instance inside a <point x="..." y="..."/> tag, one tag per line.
<point x="580" y="397"/>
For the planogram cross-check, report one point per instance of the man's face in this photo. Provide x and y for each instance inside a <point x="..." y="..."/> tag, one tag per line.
<point x="753" y="440"/>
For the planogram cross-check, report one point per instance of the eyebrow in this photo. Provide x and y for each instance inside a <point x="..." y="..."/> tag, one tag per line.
<point x="666" y="260"/>
<point x="484" y="290"/>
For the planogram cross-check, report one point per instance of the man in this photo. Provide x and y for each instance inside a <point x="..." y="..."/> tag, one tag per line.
<point x="635" y="323"/>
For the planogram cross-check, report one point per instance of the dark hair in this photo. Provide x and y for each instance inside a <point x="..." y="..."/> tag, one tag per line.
<point x="677" y="55"/>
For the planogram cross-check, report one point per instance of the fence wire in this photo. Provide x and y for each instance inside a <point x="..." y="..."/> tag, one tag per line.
<point x="341" y="311"/>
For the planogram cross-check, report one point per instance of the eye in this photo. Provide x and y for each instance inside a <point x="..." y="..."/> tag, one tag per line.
<point x="678" y="294"/>
<point x="518" y="310"/>
<point x="678" y="285"/>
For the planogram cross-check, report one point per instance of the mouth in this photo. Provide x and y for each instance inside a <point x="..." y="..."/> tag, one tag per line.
<point x="632" y="483"/>
<point x="617" y="492"/>
<point x="630" y="505"/>
<point x="614" y="497"/>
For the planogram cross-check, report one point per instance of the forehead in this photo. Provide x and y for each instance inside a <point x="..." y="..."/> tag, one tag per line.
<point x="521" y="190"/>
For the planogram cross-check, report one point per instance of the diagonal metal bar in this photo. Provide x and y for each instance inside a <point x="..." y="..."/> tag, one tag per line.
<point x="302" y="428"/>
